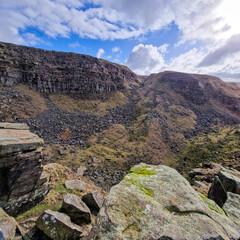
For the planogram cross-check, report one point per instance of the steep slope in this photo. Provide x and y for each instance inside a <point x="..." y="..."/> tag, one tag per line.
<point x="50" y="71"/>
<point x="153" y="119"/>
<point x="181" y="106"/>
<point x="201" y="91"/>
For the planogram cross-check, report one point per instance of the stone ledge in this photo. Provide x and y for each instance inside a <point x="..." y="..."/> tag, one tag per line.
<point x="16" y="138"/>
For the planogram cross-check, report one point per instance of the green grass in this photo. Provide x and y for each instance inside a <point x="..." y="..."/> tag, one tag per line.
<point x="218" y="146"/>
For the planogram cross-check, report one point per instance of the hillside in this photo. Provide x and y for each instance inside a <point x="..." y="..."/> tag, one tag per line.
<point x="130" y="119"/>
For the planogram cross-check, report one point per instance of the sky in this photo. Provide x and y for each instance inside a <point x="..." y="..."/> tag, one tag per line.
<point x="149" y="36"/>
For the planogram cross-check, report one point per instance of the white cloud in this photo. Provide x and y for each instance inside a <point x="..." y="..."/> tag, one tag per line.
<point x="145" y="59"/>
<point x="212" y="22"/>
<point x="116" y="49"/>
<point x="108" y="19"/>
<point x="100" y="53"/>
<point x="163" y="48"/>
<point x="232" y="46"/>
<point x="74" y="45"/>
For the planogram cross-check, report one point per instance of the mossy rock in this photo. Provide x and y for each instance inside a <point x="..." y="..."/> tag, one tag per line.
<point x="212" y="205"/>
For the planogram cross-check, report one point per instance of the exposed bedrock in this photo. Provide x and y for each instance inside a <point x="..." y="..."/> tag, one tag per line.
<point x="49" y="71"/>
<point x="23" y="184"/>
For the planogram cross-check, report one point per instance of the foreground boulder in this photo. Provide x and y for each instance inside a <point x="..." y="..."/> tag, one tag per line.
<point x="58" y="226"/>
<point x="76" y="209"/>
<point x="217" y="192"/>
<point x="93" y="200"/>
<point x="20" y="168"/>
<point x="230" y="180"/>
<point x="155" y="202"/>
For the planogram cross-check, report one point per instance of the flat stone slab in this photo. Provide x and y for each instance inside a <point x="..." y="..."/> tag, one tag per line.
<point x="75" y="184"/>
<point x="16" y="138"/>
<point x="22" y="126"/>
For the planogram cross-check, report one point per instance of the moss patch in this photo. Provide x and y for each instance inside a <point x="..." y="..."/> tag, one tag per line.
<point x="212" y="205"/>
<point x="143" y="171"/>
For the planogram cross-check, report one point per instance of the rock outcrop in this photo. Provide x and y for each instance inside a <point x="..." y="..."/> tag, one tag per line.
<point x="76" y="209"/>
<point x="72" y="221"/>
<point x="22" y="183"/>
<point x="156" y="202"/>
<point x="49" y="71"/>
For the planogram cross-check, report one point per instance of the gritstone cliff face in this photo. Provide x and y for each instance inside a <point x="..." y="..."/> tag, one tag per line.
<point x="22" y="185"/>
<point x="49" y="71"/>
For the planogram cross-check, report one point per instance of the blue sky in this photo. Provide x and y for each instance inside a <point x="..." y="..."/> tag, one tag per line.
<point x="200" y="36"/>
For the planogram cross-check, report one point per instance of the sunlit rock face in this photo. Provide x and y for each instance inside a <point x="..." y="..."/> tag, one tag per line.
<point x="156" y="202"/>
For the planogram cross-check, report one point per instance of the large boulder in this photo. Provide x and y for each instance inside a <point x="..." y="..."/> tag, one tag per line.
<point x="232" y="207"/>
<point x="74" y="207"/>
<point x="21" y="186"/>
<point x="58" y="226"/>
<point x="230" y="180"/>
<point x="156" y="202"/>
<point x="217" y="192"/>
<point x="93" y="200"/>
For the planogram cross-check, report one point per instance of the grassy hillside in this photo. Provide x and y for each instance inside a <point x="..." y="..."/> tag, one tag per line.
<point x="175" y="119"/>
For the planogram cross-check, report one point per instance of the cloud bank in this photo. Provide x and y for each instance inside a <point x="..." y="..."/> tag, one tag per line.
<point x="215" y="23"/>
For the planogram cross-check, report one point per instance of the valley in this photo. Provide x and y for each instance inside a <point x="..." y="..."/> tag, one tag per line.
<point x="102" y="117"/>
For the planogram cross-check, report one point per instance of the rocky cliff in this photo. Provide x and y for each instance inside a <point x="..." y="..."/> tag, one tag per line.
<point x="49" y="71"/>
<point x="22" y="183"/>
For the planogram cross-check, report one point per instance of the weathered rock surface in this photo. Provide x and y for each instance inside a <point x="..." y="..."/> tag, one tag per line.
<point x="232" y="207"/>
<point x="58" y="226"/>
<point x="72" y="184"/>
<point x="155" y="202"/>
<point x="76" y="209"/>
<point x="8" y="226"/>
<point x="20" y="168"/>
<point x="93" y="200"/>
<point x="10" y="229"/>
<point x="49" y="71"/>
<point x="230" y="180"/>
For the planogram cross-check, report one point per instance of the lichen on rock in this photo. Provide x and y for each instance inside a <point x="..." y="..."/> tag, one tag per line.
<point x="173" y="210"/>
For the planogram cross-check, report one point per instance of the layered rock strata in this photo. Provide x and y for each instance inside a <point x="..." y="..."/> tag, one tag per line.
<point x="23" y="183"/>
<point x="49" y="71"/>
